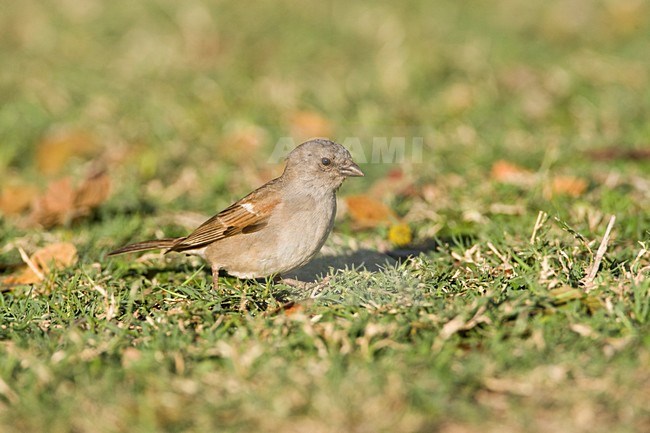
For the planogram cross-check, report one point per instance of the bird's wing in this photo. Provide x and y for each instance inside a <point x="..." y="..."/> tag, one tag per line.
<point x="247" y="215"/>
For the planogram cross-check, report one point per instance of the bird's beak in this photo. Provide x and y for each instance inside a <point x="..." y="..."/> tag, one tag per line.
<point x="351" y="170"/>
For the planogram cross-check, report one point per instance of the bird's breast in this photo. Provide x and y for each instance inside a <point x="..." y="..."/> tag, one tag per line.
<point x="303" y="227"/>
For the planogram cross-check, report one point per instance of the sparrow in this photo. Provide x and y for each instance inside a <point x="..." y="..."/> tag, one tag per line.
<point x="276" y="228"/>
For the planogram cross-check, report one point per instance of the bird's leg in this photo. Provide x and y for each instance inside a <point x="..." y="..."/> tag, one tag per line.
<point x="215" y="278"/>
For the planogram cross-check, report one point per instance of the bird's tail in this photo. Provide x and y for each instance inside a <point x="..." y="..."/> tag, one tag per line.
<point x="155" y="244"/>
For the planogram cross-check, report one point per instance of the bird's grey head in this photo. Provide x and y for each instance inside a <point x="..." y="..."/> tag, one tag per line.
<point x="321" y="161"/>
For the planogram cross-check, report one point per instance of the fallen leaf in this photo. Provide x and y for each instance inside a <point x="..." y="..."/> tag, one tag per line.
<point x="56" y="149"/>
<point x="23" y="276"/>
<point x="565" y="185"/>
<point x="54" y="207"/>
<point x="293" y="309"/>
<point x="62" y="203"/>
<point x="43" y="262"/>
<point x="55" y="256"/>
<point x="369" y="212"/>
<point x="16" y="198"/>
<point x="309" y="124"/>
<point x="94" y="191"/>
<point x="508" y="172"/>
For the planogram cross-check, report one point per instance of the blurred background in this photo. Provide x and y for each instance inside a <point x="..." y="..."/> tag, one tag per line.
<point x="129" y="120"/>
<point x="182" y="93"/>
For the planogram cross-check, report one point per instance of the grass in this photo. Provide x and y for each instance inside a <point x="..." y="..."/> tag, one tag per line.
<point x="184" y="102"/>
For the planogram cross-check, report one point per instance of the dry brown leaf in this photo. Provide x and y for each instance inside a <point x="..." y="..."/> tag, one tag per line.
<point x="566" y="185"/>
<point x="16" y="198"/>
<point x="309" y="124"/>
<point x="62" y="203"/>
<point x="56" y="149"/>
<point x="23" y="276"/>
<point x="55" y="256"/>
<point x="293" y="309"/>
<point x="508" y="172"/>
<point x="42" y="262"/>
<point x="369" y="212"/>
<point x="55" y="205"/>
<point x="92" y="192"/>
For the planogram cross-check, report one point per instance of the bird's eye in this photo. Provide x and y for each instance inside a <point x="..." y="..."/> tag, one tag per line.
<point x="325" y="161"/>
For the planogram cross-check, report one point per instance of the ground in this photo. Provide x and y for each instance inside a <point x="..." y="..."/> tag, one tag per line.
<point x="516" y="306"/>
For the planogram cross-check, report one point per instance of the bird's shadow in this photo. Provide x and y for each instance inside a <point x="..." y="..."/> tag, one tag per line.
<point x="319" y="267"/>
<point x="369" y="260"/>
<point x="365" y="259"/>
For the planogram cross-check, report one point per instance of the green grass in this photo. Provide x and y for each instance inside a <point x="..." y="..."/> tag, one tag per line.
<point x="485" y="331"/>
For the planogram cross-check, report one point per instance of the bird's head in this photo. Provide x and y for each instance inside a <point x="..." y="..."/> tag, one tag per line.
<point x="322" y="162"/>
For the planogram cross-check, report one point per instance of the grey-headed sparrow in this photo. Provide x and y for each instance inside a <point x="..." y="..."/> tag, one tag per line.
<point x="276" y="228"/>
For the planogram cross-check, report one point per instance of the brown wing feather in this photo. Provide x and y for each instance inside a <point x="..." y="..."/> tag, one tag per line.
<point x="247" y="215"/>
